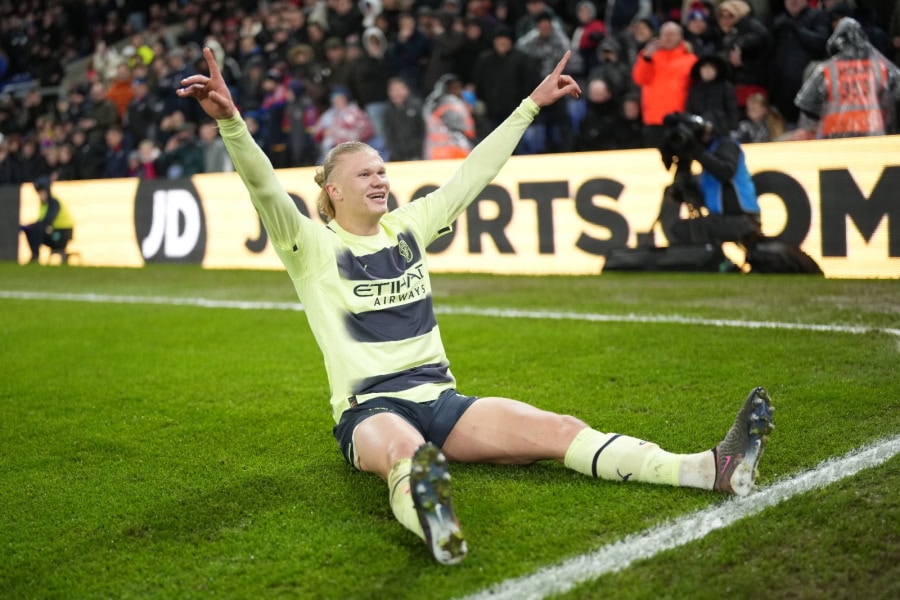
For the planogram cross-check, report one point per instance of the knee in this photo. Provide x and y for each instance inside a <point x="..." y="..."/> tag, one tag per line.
<point x="569" y="426"/>
<point x="401" y="448"/>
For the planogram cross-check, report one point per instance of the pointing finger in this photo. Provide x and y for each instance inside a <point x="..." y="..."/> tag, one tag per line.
<point x="562" y="63"/>
<point x="211" y="61"/>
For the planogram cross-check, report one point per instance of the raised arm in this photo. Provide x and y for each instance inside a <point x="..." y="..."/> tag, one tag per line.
<point x="279" y="215"/>
<point x="488" y="157"/>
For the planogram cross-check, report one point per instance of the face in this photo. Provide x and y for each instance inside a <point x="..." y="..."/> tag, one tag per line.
<point x="502" y="45"/>
<point x="632" y="109"/>
<point x="359" y="189"/>
<point x="697" y="26"/>
<point x="398" y="92"/>
<point x="670" y="36"/>
<point x="545" y="27"/>
<point x="793" y="7"/>
<point x="598" y="91"/>
<point x="756" y="111"/>
<point x="707" y="72"/>
<point x="641" y="31"/>
<point x="726" y="20"/>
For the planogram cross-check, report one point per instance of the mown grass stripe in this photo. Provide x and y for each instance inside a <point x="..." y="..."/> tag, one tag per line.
<point x="451" y="310"/>
<point x="563" y="577"/>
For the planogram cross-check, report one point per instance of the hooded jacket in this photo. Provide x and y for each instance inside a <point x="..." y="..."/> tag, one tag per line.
<point x="853" y="93"/>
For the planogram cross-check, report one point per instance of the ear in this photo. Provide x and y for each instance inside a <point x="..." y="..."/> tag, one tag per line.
<point x="333" y="191"/>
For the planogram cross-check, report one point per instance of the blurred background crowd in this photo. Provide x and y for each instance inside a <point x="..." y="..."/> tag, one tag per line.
<point x="87" y="88"/>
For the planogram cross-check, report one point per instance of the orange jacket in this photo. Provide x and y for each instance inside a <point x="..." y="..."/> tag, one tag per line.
<point x="664" y="82"/>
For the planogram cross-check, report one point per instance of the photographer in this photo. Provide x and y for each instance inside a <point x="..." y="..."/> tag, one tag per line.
<point x="722" y="200"/>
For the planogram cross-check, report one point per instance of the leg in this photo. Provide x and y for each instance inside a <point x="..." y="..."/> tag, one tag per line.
<point x="418" y="481"/>
<point x="503" y="431"/>
<point x="35" y="237"/>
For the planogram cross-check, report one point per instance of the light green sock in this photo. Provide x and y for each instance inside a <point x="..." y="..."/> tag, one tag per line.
<point x="400" y="498"/>
<point x="623" y="458"/>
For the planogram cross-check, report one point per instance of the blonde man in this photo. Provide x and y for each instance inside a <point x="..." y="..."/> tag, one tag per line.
<point x="364" y="283"/>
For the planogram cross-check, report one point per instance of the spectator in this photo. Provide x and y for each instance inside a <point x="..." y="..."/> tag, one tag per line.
<point x="447" y="43"/>
<point x="344" y="121"/>
<point x="144" y="164"/>
<point x="404" y="123"/>
<point x="115" y="162"/>
<point x="853" y="93"/>
<point x="272" y="118"/>
<point x="597" y="131"/>
<point x="66" y="169"/>
<point x="101" y="114"/>
<point x="215" y="156"/>
<point x="336" y="69"/>
<point x="450" y="127"/>
<point x="621" y="14"/>
<point x="344" y="19"/>
<point x="762" y="124"/>
<point x="746" y="45"/>
<point x="301" y="115"/>
<point x="369" y="77"/>
<point x="31" y="162"/>
<point x="527" y="22"/>
<point x="249" y="87"/>
<point x="182" y="155"/>
<point x="121" y="90"/>
<point x="140" y="116"/>
<point x="407" y="55"/>
<point x="636" y="37"/>
<point x="612" y="68"/>
<point x="712" y="95"/>
<point x="502" y="76"/>
<point x="476" y="42"/>
<point x="551" y="130"/>
<point x="10" y="169"/>
<point x="171" y="71"/>
<point x="799" y="39"/>
<point x="704" y="39"/>
<point x="88" y="156"/>
<point x="663" y="72"/>
<point x="630" y="127"/>
<point x="586" y="37"/>
<point x="54" y="227"/>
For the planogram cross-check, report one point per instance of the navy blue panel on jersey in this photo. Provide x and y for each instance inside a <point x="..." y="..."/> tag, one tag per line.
<point x="387" y="263"/>
<point x="392" y="323"/>
<point x="397" y="382"/>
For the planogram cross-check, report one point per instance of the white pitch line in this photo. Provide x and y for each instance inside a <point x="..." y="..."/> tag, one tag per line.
<point x="563" y="577"/>
<point x="450" y="310"/>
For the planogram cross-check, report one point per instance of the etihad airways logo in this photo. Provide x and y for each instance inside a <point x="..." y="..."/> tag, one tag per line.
<point x="392" y="291"/>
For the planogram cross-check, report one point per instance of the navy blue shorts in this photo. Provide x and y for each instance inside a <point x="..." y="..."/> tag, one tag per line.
<point x="433" y="419"/>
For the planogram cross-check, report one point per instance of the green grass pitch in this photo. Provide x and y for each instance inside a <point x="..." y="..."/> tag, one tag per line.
<point x="158" y="450"/>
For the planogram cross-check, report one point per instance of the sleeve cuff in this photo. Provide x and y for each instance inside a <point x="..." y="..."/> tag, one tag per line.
<point x="529" y="107"/>
<point x="231" y="127"/>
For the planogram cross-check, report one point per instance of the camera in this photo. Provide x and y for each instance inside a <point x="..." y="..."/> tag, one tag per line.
<point x="682" y="132"/>
<point x="681" y="129"/>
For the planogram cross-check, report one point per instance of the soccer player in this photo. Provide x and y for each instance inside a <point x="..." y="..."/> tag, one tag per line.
<point x="364" y="283"/>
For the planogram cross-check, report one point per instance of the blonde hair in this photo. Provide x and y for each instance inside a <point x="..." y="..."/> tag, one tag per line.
<point x="323" y="173"/>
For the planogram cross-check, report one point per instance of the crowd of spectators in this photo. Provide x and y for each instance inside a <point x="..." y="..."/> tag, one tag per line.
<point x="416" y="79"/>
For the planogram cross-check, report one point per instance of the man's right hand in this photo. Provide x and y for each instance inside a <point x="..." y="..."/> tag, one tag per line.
<point x="211" y="92"/>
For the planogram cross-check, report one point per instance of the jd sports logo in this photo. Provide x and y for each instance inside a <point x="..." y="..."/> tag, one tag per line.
<point x="169" y="222"/>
